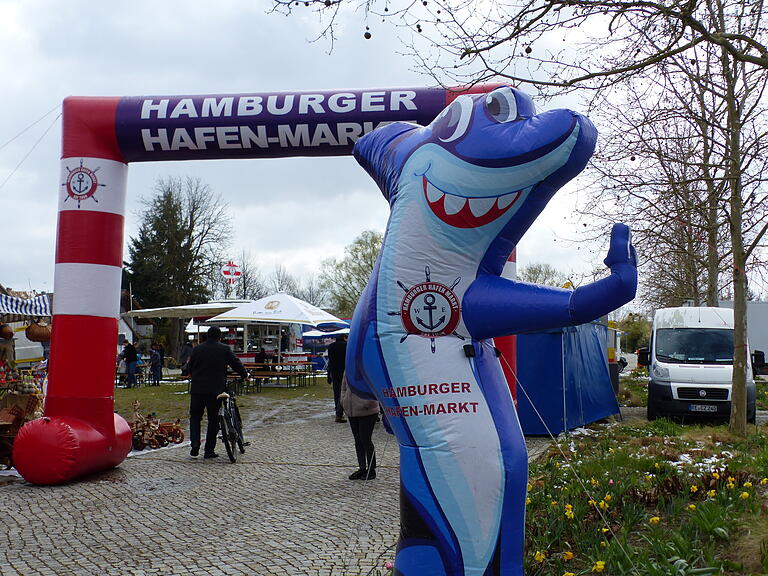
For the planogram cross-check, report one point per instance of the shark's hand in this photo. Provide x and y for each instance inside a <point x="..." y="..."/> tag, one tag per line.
<point x="621" y="250"/>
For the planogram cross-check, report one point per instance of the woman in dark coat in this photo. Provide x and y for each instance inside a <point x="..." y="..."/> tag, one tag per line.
<point x="363" y="415"/>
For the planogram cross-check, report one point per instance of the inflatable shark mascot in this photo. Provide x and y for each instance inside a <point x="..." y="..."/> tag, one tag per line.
<point x="462" y="192"/>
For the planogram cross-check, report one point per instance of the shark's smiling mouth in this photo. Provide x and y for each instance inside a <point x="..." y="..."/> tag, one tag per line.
<point x="463" y="212"/>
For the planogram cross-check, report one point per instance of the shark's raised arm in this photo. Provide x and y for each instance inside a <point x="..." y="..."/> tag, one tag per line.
<point x="495" y="306"/>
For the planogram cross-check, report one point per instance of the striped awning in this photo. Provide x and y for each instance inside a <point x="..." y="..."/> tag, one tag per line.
<point x="14" y="309"/>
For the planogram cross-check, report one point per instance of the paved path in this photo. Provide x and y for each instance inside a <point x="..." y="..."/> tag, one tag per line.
<point x="286" y="508"/>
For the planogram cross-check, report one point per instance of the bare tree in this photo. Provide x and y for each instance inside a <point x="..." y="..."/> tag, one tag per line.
<point x="283" y="281"/>
<point x="250" y="285"/>
<point x="312" y="290"/>
<point x="552" y="42"/>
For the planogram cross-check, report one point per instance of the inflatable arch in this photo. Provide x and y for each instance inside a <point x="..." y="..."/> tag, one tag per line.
<point x="465" y="174"/>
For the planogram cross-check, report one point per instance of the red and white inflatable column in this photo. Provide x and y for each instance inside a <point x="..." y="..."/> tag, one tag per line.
<point x="80" y="433"/>
<point x="507" y="345"/>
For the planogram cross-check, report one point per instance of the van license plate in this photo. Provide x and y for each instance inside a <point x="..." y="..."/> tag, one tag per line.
<point x="702" y="408"/>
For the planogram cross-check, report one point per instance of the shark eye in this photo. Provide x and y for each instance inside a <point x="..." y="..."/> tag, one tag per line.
<point x="454" y="120"/>
<point x="501" y="105"/>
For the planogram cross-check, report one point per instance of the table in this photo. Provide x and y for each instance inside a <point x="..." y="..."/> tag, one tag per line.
<point x="295" y="373"/>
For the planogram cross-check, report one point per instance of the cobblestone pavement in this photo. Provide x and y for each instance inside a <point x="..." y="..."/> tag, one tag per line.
<point x="286" y="508"/>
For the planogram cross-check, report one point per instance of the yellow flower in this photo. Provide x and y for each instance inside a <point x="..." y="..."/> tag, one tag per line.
<point x="715" y="475"/>
<point x="603" y="544"/>
<point x="731" y="485"/>
<point x="567" y="555"/>
<point x="649" y="476"/>
<point x="569" y="514"/>
<point x="691" y="507"/>
<point x="764" y="481"/>
<point x="604" y="530"/>
<point x="553" y="503"/>
<point x="657" y="465"/>
<point x="712" y="493"/>
<point x="731" y="479"/>
<point x="539" y="556"/>
<point x="694" y="488"/>
<point x="599" y="566"/>
<point x="607" y="498"/>
<point x="591" y="502"/>
<point x="569" y="574"/>
<point x="527" y="500"/>
<point x="593" y="482"/>
<point x="654" y="520"/>
<point x="747" y="484"/>
<point x="603" y="505"/>
<point x="610" y="450"/>
<point x="744" y="495"/>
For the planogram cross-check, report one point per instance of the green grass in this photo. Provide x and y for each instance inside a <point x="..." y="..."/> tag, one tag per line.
<point x="633" y="388"/>
<point x="170" y="400"/>
<point x="762" y="393"/>
<point x="653" y="500"/>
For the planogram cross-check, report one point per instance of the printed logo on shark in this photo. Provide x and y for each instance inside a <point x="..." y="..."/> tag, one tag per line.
<point x="432" y="409"/>
<point x="427" y="389"/>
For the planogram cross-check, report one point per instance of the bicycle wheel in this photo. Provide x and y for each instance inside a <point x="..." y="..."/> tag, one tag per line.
<point x="225" y="426"/>
<point x="238" y="426"/>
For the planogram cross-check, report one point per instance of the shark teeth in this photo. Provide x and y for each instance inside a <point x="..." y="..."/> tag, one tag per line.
<point x="480" y="206"/>
<point x="433" y="194"/>
<point x="506" y="200"/>
<point x="453" y="204"/>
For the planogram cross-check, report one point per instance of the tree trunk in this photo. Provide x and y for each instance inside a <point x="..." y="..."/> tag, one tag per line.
<point x="738" y="424"/>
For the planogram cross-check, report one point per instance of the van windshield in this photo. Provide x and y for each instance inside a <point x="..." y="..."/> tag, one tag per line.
<point x="694" y="345"/>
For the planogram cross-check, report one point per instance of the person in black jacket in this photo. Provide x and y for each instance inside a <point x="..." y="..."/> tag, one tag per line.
<point x="337" y="361"/>
<point x="208" y="371"/>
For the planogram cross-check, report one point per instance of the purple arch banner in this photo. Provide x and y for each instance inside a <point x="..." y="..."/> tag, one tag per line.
<point x="275" y="124"/>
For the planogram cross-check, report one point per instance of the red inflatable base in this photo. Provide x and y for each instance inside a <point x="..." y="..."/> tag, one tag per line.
<point x="53" y="450"/>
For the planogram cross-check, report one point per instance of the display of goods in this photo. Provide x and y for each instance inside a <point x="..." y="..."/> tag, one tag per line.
<point x="38" y="332"/>
<point x="6" y="332"/>
<point x="27" y="388"/>
<point x="24" y="404"/>
<point x="149" y="432"/>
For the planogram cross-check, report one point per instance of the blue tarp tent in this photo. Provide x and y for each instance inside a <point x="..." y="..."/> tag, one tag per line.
<point x="564" y="372"/>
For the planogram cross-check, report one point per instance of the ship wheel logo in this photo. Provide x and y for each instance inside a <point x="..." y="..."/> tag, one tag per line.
<point x="81" y="184"/>
<point x="429" y="309"/>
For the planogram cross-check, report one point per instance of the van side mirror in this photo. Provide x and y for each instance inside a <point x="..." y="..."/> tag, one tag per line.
<point x="758" y="359"/>
<point x="643" y="356"/>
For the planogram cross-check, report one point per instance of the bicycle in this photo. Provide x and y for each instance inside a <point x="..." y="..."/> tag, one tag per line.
<point x="231" y="425"/>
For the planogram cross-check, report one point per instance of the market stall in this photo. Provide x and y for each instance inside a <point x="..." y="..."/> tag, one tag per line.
<point x="21" y="390"/>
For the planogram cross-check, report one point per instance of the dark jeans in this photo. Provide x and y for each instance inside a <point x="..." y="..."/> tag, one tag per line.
<point x="130" y="370"/>
<point x="197" y="404"/>
<point x="362" y="430"/>
<point x="336" y="381"/>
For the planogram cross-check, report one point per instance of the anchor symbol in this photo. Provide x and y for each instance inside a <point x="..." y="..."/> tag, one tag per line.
<point x="81" y="186"/>
<point x="429" y="306"/>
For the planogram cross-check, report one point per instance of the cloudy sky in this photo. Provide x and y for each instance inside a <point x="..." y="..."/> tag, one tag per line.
<point x="293" y="212"/>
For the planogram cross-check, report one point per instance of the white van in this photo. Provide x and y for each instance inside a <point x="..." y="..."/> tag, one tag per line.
<point x="691" y="364"/>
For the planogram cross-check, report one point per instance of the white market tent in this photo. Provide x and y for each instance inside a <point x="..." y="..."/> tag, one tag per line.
<point x="188" y="311"/>
<point x="279" y="308"/>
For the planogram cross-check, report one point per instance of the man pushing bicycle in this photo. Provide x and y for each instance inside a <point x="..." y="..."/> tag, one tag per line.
<point x="208" y="371"/>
